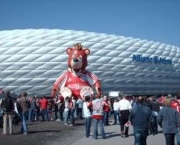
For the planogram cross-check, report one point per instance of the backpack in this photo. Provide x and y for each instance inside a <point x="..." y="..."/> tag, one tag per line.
<point x="98" y="107"/>
<point x="8" y="104"/>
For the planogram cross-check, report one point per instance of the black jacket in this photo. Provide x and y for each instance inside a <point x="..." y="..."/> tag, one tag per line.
<point x="154" y="106"/>
<point x="8" y="104"/>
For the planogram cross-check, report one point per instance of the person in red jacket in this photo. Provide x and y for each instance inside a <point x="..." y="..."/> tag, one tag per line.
<point x="106" y="110"/>
<point x="176" y="104"/>
<point x="44" y="106"/>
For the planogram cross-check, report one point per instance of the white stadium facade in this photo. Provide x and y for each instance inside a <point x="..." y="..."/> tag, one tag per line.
<point x="31" y="60"/>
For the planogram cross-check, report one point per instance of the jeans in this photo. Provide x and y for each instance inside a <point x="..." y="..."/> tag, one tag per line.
<point x="169" y="137"/>
<point x="36" y="113"/>
<point x="7" y="116"/>
<point x="79" y="113"/>
<point x="106" y="118"/>
<point x="88" y="126"/>
<point x="31" y="114"/>
<point x="55" y="111"/>
<point x="60" y="114"/>
<point x="155" y="125"/>
<point x="140" y="136"/>
<point x="44" y="114"/>
<point x="101" y="123"/>
<point x="24" y="118"/>
<point x="66" y="116"/>
<point x="178" y="138"/>
<point x="116" y="117"/>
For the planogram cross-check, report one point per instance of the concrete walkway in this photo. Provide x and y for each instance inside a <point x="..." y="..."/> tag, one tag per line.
<point x="113" y="138"/>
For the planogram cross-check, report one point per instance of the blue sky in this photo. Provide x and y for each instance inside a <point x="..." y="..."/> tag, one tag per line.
<point x="157" y="20"/>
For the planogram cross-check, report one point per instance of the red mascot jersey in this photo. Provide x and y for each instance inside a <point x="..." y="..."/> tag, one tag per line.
<point x="76" y="83"/>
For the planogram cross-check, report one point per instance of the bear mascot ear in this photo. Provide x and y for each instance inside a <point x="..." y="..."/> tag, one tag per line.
<point x="87" y="51"/>
<point x="68" y="50"/>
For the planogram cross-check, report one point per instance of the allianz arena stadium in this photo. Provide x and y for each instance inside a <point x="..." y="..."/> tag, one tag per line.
<point x="31" y="60"/>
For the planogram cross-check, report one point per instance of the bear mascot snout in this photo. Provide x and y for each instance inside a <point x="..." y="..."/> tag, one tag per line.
<point x="76" y="78"/>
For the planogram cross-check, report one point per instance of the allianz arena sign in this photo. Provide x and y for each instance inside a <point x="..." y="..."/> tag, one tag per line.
<point x="32" y="59"/>
<point x="154" y="59"/>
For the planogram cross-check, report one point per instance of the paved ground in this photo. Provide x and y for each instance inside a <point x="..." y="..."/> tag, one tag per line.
<point x="45" y="133"/>
<point x="55" y="133"/>
<point x="113" y="138"/>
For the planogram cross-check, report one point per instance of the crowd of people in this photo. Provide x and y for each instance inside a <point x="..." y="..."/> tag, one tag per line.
<point x="142" y="112"/>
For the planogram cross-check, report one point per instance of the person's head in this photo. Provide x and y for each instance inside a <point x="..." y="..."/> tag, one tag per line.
<point x="178" y="96"/>
<point x="8" y="93"/>
<point x="97" y="96"/>
<point x="67" y="98"/>
<point x="24" y="94"/>
<point x="124" y="96"/>
<point x="140" y="99"/>
<point x="15" y="100"/>
<point x="167" y="102"/>
<point x="151" y="98"/>
<point x="87" y="98"/>
<point x="105" y="98"/>
<point x="116" y="100"/>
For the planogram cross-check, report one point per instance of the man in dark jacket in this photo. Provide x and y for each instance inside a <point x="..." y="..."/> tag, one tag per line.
<point x="8" y="107"/>
<point x="155" y="108"/>
<point x="140" y="118"/>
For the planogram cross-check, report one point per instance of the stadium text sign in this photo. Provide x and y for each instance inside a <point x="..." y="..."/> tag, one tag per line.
<point x="154" y="59"/>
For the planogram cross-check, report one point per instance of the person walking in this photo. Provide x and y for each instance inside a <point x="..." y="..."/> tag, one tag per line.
<point x="79" y="108"/>
<point x="169" y="121"/>
<point x="176" y="105"/>
<point x="106" y="109"/>
<point x="140" y="118"/>
<point x="87" y="115"/>
<point x="24" y="104"/>
<point x="32" y="109"/>
<point x="44" y="108"/>
<point x="8" y="107"/>
<point x="116" y="111"/>
<point x="72" y="106"/>
<point x="97" y="115"/>
<point x="155" y="108"/>
<point x="125" y="108"/>
<point x="66" y="111"/>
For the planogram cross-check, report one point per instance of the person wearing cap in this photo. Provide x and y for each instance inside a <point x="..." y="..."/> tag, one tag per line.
<point x="8" y="107"/>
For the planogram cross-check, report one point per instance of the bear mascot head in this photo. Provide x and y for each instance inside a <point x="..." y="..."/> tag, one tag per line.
<point x="77" y="60"/>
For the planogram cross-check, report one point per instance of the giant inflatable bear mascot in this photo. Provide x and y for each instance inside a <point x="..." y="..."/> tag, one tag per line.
<point x="76" y="81"/>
